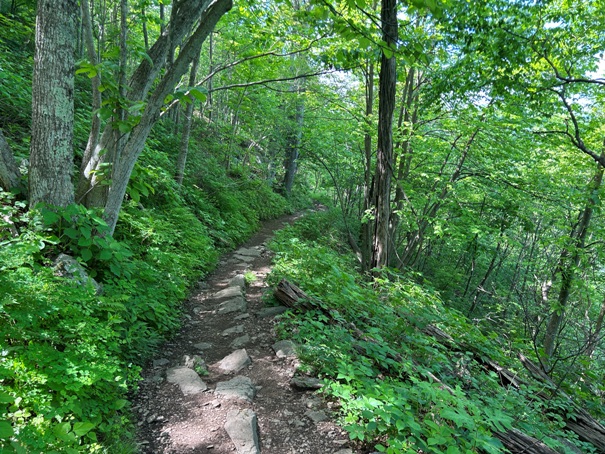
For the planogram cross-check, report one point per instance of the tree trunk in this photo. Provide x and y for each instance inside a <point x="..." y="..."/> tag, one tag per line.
<point x="366" y="225"/>
<point x="9" y="171"/>
<point x="408" y="116"/>
<point x="593" y="338"/>
<point x="185" y="14"/>
<point x="51" y="156"/>
<point x="384" y="153"/>
<point x="185" y="135"/>
<point x="293" y="147"/>
<point x="567" y="265"/>
<point x="136" y="141"/>
<point x="97" y="99"/>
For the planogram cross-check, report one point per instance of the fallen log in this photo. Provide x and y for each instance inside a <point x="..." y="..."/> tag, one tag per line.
<point x="517" y="442"/>
<point x="580" y="422"/>
<point x="293" y="297"/>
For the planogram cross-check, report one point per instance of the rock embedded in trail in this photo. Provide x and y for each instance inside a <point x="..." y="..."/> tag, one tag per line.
<point x="242" y="428"/>
<point x="239" y="387"/>
<point x="241" y="341"/>
<point x="203" y="346"/>
<point x="238" y="281"/>
<point x="229" y="292"/>
<point x="234" y="362"/>
<point x="248" y="252"/>
<point x="187" y="380"/>
<point x="236" y="304"/>
<point x="239" y="329"/>
<point x="271" y="311"/>
<point x="316" y="415"/>
<point x="160" y="362"/>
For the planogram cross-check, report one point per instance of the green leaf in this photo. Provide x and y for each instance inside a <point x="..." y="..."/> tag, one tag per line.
<point x="388" y="52"/>
<point x="6" y="398"/>
<point x="50" y="217"/>
<point x="198" y="94"/>
<point x="71" y="233"/>
<point x="84" y="242"/>
<point x="85" y="231"/>
<point x="105" y="254"/>
<point x="119" y="404"/>
<point x="62" y="428"/>
<point x="134" y="194"/>
<point x="82" y="428"/>
<point x="6" y="430"/>
<point x="86" y="254"/>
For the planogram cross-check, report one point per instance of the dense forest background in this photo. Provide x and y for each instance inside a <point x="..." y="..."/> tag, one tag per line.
<point x="459" y="145"/>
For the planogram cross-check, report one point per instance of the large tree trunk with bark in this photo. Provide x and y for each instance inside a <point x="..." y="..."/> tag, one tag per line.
<point x="51" y="156"/>
<point x="384" y="154"/>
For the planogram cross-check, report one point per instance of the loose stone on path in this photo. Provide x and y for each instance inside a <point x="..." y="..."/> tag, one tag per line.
<point x="229" y="292"/>
<point x="239" y="329"/>
<point x="235" y="361"/>
<point x="242" y="428"/>
<point x="241" y="341"/>
<point x="186" y="379"/>
<point x="238" y="281"/>
<point x="305" y="383"/>
<point x="271" y="311"/>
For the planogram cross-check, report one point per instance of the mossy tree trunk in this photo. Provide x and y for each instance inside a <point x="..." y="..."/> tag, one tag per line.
<point x="51" y="157"/>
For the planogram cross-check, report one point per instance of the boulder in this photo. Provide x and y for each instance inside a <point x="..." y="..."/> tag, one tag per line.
<point x="271" y="311"/>
<point x="229" y="292"/>
<point x="235" y="304"/>
<point x="69" y="268"/>
<point x="238" y="281"/>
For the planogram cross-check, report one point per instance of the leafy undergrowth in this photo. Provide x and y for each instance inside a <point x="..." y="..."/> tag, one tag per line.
<point x="399" y="390"/>
<point x="69" y="356"/>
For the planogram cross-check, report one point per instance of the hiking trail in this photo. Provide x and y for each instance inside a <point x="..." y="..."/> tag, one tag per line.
<point x="247" y="401"/>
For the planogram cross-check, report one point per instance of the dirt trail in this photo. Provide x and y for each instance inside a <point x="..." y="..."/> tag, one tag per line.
<point x="288" y="420"/>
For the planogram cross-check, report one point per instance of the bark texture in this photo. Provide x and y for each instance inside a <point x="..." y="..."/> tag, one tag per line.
<point x="186" y="134"/>
<point x="384" y="153"/>
<point x="293" y="147"/>
<point x="51" y="157"/>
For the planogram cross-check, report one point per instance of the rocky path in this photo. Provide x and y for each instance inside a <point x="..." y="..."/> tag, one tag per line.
<point x="224" y="384"/>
